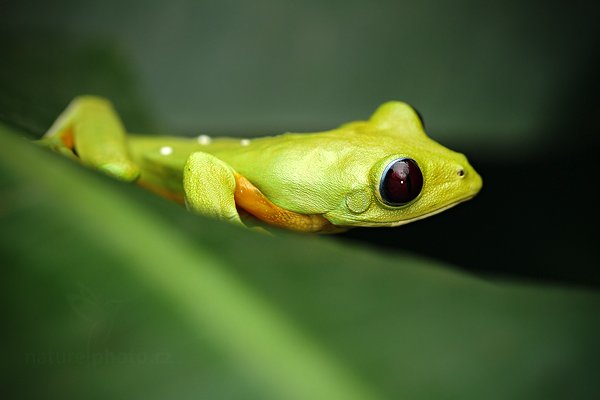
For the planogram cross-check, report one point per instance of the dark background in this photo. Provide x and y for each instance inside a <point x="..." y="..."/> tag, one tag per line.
<point x="513" y="85"/>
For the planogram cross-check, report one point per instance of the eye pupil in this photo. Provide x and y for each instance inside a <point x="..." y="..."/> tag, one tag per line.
<point x="401" y="182"/>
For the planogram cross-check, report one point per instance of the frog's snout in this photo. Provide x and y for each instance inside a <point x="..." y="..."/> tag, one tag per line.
<point x="470" y="177"/>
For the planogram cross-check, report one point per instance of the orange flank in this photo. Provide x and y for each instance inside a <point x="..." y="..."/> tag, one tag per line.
<point x="250" y="199"/>
<point x="67" y="139"/>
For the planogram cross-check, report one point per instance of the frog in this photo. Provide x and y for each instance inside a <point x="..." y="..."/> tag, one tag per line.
<point x="383" y="171"/>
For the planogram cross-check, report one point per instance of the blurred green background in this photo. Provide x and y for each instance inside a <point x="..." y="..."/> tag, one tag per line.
<point x="108" y="291"/>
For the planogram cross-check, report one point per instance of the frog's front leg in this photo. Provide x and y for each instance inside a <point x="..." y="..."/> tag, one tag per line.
<point x="209" y="185"/>
<point x="91" y="132"/>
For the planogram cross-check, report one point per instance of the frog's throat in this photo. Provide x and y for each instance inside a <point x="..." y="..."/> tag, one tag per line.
<point x="429" y="214"/>
<point x="250" y="199"/>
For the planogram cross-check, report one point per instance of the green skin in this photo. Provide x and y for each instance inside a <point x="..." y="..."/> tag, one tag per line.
<point x="334" y="174"/>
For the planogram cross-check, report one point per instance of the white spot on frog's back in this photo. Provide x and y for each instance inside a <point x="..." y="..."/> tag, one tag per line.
<point x="245" y="142"/>
<point x="166" y="150"/>
<point x="204" y="139"/>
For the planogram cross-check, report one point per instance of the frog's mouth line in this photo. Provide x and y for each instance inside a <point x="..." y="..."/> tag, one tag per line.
<point x="406" y="221"/>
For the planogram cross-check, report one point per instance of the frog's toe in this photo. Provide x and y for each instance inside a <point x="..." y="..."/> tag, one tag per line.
<point x="122" y="170"/>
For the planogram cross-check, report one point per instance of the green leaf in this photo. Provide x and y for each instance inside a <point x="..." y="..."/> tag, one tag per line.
<point x="111" y="292"/>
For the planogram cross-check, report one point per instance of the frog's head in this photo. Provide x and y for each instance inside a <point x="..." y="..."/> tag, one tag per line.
<point x="413" y="176"/>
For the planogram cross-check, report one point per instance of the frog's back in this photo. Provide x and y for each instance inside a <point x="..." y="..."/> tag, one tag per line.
<point x="271" y="163"/>
<point x="150" y="152"/>
<point x="161" y="158"/>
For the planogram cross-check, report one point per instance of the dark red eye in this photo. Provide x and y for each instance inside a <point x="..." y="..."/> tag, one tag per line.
<point x="401" y="182"/>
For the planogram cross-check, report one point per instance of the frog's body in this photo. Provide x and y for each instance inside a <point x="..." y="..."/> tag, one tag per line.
<point x="327" y="181"/>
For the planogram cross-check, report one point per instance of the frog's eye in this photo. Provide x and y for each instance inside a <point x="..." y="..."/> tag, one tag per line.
<point x="401" y="182"/>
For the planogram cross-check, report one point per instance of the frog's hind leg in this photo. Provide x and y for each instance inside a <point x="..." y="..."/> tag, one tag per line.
<point x="91" y="132"/>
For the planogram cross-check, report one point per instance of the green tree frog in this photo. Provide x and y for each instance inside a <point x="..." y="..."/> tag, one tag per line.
<point x="381" y="172"/>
